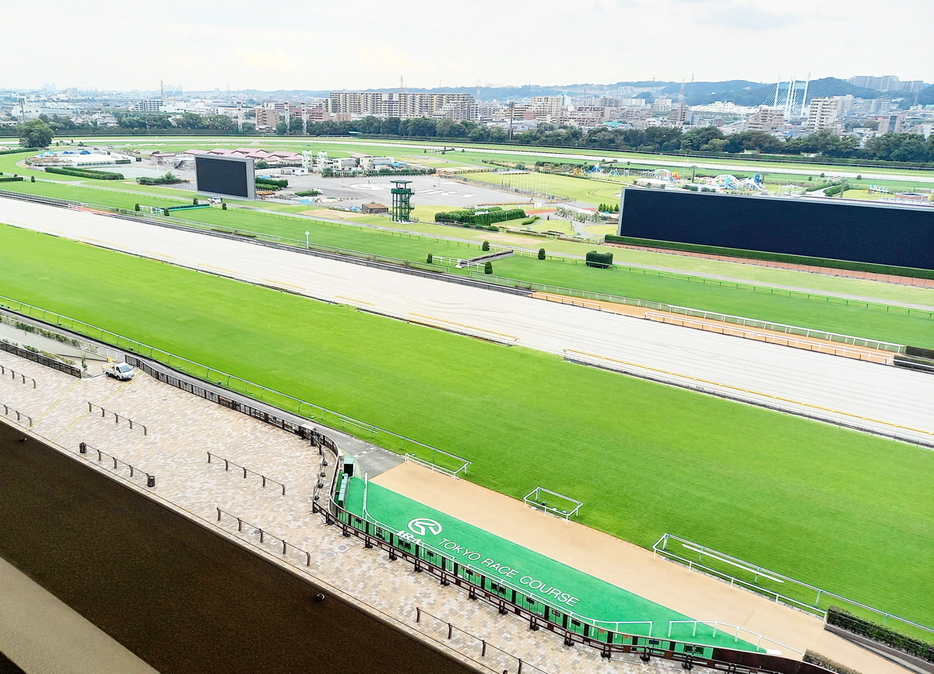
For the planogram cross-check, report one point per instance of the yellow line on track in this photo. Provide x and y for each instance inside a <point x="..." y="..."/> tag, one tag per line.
<point x="464" y="325"/>
<point x="282" y="283"/>
<point x="152" y="252"/>
<point x="209" y="266"/>
<point x="750" y="392"/>
<point x="351" y="299"/>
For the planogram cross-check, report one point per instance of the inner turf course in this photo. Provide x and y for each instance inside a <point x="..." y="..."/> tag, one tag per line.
<point x="835" y="508"/>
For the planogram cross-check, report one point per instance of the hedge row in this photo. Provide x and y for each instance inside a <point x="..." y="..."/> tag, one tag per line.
<point x="307" y="193"/>
<point x="161" y="180"/>
<point x="19" y="150"/>
<point x="269" y="183"/>
<point x="11" y="179"/>
<point x="486" y="217"/>
<point x="85" y="173"/>
<point x="774" y="257"/>
<point x="827" y="663"/>
<point x="853" y="623"/>
<point x="601" y="260"/>
<point x="836" y="189"/>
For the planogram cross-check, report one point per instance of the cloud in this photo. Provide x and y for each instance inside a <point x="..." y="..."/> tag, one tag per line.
<point x="746" y="17"/>
<point x="264" y="60"/>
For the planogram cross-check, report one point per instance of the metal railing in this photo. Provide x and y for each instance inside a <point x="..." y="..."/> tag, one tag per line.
<point x="228" y="463"/>
<point x="717" y="625"/>
<point x="800" y="342"/>
<point x="40" y="358"/>
<point x="117" y="417"/>
<point x="485" y="646"/>
<point x="661" y="549"/>
<point x="264" y="535"/>
<point x="14" y="374"/>
<point x="83" y="450"/>
<point x="7" y="410"/>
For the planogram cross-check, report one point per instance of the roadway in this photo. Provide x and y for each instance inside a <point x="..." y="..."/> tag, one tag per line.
<point x="877" y="397"/>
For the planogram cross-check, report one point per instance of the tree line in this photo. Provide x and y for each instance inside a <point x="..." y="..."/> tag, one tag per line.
<point x="900" y="147"/>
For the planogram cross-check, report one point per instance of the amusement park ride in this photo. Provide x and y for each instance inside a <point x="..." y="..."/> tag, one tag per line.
<point x="724" y="183"/>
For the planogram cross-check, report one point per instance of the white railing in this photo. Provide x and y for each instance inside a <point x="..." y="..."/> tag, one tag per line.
<point x="717" y="625"/>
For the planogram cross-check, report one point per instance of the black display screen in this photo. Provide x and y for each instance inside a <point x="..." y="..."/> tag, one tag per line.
<point x="232" y="176"/>
<point x="891" y="235"/>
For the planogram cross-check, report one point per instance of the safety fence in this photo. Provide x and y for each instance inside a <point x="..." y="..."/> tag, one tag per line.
<point x="808" y="344"/>
<point x="117" y="417"/>
<point x="228" y="463"/>
<point x="9" y="412"/>
<point x="40" y="358"/>
<point x="775" y="586"/>
<point x="486" y="648"/>
<point x="14" y="374"/>
<point x="83" y="450"/>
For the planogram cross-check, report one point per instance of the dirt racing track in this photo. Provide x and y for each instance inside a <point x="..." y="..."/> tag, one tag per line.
<point x="866" y="395"/>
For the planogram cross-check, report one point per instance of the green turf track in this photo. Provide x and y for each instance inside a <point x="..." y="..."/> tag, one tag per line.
<point x="839" y="509"/>
<point x="518" y="566"/>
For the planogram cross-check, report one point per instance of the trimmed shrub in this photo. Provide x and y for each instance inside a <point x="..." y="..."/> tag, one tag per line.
<point x="484" y="218"/>
<point x="853" y="623"/>
<point x="224" y="206"/>
<point x="270" y="184"/>
<point x="600" y="260"/>
<point x="541" y="253"/>
<point x="430" y="258"/>
<point x="487" y="267"/>
<point x="827" y="663"/>
<point x="194" y="202"/>
<point x="10" y="179"/>
<point x="165" y="211"/>
<point x="307" y="193"/>
<point x="485" y="246"/>
<point x="32" y="179"/>
<point x="85" y="173"/>
<point x="136" y="207"/>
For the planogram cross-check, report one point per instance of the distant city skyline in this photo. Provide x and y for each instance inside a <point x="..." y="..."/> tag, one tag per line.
<point x="316" y="45"/>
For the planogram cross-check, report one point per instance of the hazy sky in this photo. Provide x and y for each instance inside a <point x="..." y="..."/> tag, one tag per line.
<point x="312" y="44"/>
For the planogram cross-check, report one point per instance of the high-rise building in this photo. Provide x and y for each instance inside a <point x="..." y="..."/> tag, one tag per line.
<point x="767" y="118"/>
<point x="458" y="107"/>
<point x="823" y="113"/>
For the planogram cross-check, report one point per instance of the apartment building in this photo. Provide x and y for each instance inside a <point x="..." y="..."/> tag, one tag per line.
<point x="458" y="107"/>
<point x="823" y="113"/>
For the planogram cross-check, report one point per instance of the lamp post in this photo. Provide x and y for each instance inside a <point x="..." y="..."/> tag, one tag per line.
<point x="306" y="239"/>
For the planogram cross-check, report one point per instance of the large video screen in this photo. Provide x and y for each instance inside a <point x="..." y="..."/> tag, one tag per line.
<point x="228" y="176"/>
<point x="880" y="234"/>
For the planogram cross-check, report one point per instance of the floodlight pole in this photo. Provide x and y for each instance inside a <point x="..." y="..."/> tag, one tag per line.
<point x="306" y="239"/>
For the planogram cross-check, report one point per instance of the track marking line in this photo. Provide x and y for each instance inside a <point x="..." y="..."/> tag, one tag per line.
<point x="152" y="252"/>
<point x="750" y="392"/>
<point x="464" y="325"/>
<point x="351" y="299"/>
<point x="210" y="266"/>
<point x="282" y="283"/>
<point x="109" y="243"/>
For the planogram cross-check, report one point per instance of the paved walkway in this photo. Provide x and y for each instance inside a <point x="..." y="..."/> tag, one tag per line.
<point x="180" y="431"/>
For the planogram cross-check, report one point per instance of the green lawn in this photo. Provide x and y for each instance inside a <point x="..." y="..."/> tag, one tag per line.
<point x="840" y="509"/>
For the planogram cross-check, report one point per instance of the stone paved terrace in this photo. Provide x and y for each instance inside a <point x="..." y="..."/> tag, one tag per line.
<point x="180" y="431"/>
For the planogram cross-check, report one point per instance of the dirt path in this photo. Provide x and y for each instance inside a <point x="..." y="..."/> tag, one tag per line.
<point x="629" y="566"/>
